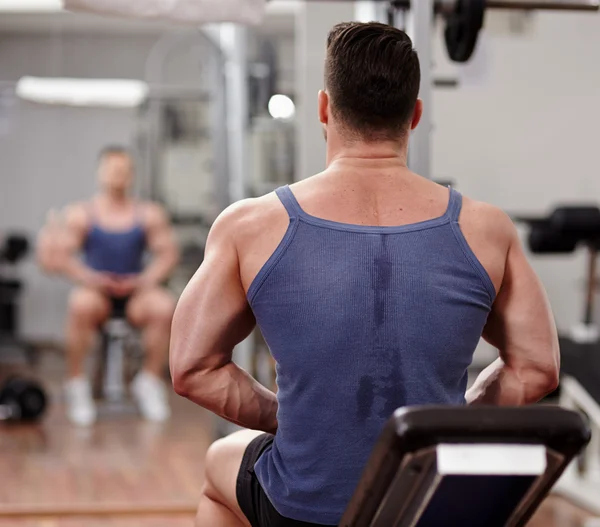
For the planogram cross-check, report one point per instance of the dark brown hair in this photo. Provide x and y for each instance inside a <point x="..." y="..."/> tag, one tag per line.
<point x="372" y="75"/>
<point x="116" y="150"/>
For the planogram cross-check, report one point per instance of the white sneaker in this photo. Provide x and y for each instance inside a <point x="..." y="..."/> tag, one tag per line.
<point x="150" y="395"/>
<point x="81" y="409"/>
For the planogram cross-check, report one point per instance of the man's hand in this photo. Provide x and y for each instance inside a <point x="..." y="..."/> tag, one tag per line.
<point x="123" y="286"/>
<point x="102" y="282"/>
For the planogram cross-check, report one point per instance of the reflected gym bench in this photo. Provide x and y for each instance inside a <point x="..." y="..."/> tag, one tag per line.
<point x="119" y="357"/>
<point x="465" y="466"/>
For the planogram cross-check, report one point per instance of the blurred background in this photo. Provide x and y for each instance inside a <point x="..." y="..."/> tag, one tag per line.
<point x="229" y="112"/>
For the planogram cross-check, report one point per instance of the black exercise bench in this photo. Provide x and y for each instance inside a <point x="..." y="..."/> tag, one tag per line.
<point x="465" y="466"/>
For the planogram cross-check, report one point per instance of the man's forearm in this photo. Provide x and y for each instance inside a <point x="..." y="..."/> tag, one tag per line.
<point x="74" y="269"/>
<point x="233" y="394"/>
<point x="160" y="269"/>
<point x="500" y="385"/>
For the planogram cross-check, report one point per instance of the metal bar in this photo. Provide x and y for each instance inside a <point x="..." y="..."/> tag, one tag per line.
<point x="591" y="285"/>
<point x="421" y="22"/>
<point x="544" y="5"/>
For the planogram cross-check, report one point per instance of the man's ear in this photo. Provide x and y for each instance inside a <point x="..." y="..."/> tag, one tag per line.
<point x="418" y="113"/>
<point x="323" y="107"/>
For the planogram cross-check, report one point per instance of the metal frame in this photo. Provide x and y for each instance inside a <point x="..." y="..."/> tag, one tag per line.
<point x="159" y="91"/>
<point x="581" y="481"/>
<point x="443" y="6"/>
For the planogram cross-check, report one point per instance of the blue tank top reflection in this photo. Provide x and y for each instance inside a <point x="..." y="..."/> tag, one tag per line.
<point x="117" y="252"/>
<point x="361" y="321"/>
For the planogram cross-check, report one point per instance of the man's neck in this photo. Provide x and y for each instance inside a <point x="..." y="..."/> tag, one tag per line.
<point x="362" y="154"/>
<point x="114" y="199"/>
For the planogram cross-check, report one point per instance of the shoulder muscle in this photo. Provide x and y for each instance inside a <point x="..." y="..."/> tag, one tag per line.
<point x="490" y="232"/>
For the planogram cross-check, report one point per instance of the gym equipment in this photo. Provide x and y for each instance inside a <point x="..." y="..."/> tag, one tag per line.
<point x="475" y="466"/>
<point x="14" y="249"/>
<point x="22" y="400"/>
<point x="463" y="24"/>
<point x="118" y="344"/>
<point x="581" y="482"/>
<point x="561" y="233"/>
<point x="566" y="229"/>
<point x="464" y="21"/>
<point x="464" y="18"/>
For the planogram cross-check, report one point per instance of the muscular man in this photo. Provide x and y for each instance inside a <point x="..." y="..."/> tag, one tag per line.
<point x="372" y="287"/>
<point x="113" y="232"/>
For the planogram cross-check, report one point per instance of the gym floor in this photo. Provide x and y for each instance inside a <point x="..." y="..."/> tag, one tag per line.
<point x="125" y="472"/>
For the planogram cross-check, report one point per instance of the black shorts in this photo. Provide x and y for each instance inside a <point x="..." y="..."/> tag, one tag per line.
<point x="252" y="499"/>
<point x="119" y="306"/>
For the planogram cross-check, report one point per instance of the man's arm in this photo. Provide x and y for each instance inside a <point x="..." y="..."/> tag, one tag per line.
<point x="48" y="250"/>
<point x="521" y="326"/>
<point x="211" y="318"/>
<point x="162" y="244"/>
<point x="61" y="243"/>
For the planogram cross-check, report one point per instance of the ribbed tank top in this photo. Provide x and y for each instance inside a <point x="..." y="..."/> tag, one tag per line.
<point x="360" y="321"/>
<point x="116" y="252"/>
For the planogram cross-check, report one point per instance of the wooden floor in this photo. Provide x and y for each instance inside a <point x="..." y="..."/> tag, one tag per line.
<point x="122" y="465"/>
<point x="126" y="473"/>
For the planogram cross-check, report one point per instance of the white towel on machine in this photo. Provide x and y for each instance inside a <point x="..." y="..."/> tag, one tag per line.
<point x="193" y="12"/>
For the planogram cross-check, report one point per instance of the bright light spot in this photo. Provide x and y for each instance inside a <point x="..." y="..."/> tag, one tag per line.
<point x="282" y="107"/>
<point x="111" y="93"/>
<point x="30" y="6"/>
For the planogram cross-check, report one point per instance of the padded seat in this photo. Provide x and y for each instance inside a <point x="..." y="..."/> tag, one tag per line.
<point x="476" y="466"/>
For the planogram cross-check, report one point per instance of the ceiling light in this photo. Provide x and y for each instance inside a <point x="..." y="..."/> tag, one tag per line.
<point x="30" y="6"/>
<point x="111" y="93"/>
<point x="282" y="107"/>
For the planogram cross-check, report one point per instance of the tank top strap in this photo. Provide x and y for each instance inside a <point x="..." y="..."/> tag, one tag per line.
<point x="91" y="211"/>
<point x="287" y="198"/>
<point x="454" y="204"/>
<point x="138" y="212"/>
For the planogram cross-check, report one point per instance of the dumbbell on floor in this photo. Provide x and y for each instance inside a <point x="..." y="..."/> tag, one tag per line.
<point x="22" y="400"/>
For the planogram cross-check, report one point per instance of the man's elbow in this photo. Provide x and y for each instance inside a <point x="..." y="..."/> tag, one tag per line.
<point x="181" y="380"/>
<point x="542" y="381"/>
<point x="190" y="382"/>
<point x="552" y="379"/>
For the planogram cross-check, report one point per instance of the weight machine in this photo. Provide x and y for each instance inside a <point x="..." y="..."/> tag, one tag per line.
<point x="564" y="231"/>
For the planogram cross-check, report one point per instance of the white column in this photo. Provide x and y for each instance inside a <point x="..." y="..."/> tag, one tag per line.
<point x="314" y="20"/>
<point x="233" y="39"/>
<point x="421" y="31"/>
<point x="371" y="11"/>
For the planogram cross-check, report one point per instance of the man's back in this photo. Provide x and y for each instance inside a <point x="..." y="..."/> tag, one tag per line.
<point x="372" y="287"/>
<point x="374" y="194"/>
<point x="370" y="304"/>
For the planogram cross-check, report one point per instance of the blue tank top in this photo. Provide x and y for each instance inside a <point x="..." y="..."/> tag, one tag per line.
<point x="117" y="252"/>
<point x="360" y="321"/>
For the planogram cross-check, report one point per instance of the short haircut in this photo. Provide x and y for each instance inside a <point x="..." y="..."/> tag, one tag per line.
<point x="373" y="76"/>
<point x="116" y="150"/>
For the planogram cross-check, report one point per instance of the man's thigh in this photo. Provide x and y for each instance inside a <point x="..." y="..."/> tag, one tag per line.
<point x="87" y="303"/>
<point x="222" y="467"/>
<point x="150" y="306"/>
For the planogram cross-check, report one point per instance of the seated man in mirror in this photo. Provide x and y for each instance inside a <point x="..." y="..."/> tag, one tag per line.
<point x="114" y="232"/>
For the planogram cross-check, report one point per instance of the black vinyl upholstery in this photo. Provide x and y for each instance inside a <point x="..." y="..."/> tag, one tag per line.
<point x="410" y="431"/>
